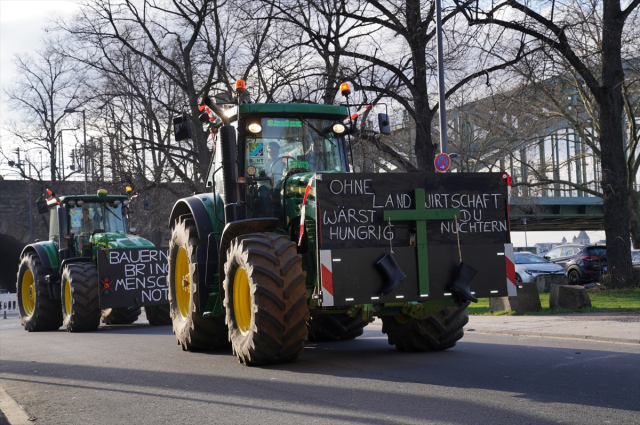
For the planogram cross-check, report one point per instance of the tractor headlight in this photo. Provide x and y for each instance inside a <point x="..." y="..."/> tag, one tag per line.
<point x="80" y="202"/>
<point x="125" y="202"/>
<point x="71" y="203"/>
<point x="116" y="202"/>
<point x="338" y="128"/>
<point x="251" y="170"/>
<point x="254" y="127"/>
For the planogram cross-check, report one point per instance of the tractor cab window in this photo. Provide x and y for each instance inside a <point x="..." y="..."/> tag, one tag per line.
<point x="300" y="144"/>
<point x="92" y="216"/>
<point x="282" y="147"/>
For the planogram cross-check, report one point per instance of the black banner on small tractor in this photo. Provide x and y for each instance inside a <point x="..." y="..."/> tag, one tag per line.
<point x="427" y="222"/>
<point x="133" y="277"/>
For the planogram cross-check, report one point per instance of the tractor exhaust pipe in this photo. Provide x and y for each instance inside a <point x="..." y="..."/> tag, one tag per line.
<point x="232" y="209"/>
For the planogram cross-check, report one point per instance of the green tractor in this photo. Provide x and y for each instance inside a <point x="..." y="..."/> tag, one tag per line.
<point x="69" y="280"/>
<point x="288" y="245"/>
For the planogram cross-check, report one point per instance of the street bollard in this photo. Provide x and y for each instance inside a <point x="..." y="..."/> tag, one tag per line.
<point x="5" y="314"/>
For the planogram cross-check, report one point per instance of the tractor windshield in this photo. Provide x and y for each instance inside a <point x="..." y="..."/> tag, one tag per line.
<point x="286" y="144"/>
<point x="106" y="216"/>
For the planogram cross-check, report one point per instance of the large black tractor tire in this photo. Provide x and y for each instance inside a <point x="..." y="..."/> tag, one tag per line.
<point x="120" y="316"/>
<point x="265" y="299"/>
<point x="193" y="330"/>
<point x="158" y="315"/>
<point x="437" y="332"/>
<point x="37" y="312"/>
<point x="335" y="327"/>
<point x="80" y="297"/>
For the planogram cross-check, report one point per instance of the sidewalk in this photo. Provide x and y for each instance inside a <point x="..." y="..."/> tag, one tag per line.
<point x="609" y="327"/>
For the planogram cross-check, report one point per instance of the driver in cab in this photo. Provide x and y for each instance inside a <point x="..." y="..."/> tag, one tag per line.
<point x="274" y="165"/>
<point x="82" y="225"/>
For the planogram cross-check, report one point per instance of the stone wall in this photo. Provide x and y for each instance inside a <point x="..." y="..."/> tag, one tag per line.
<point x="14" y="216"/>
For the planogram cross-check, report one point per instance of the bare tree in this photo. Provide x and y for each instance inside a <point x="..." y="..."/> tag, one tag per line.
<point x="403" y="48"/>
<point x="180" y="38"/>
<point x="556" y="29"/>
<point x="46" y="85"/>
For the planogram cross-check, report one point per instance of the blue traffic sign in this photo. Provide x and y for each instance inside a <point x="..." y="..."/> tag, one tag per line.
<point x="442" y="162"/>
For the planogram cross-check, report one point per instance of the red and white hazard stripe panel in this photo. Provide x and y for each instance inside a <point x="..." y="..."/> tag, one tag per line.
<point x="354" y="116"/>
<point x="326" y="278"/>
<point x="302" y="211"/>
<point x="511" y="270"/>
<point x="507" y="177"/>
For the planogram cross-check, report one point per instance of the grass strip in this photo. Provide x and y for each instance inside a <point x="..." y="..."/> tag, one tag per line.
<point x="602" y="300"/>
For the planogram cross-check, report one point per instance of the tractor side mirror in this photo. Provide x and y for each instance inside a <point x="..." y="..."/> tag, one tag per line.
<point x="147" y="204"/>
<point x="42" y="206"/>
<point x="384" y="124"/>
<point x="182" y="128"/>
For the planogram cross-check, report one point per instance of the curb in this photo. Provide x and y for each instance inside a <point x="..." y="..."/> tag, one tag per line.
<point x="12" y="410"/>
<point x="543" y="335"/>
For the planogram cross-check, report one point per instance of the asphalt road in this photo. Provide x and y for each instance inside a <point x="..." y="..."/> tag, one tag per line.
<point x="138" y="375"/>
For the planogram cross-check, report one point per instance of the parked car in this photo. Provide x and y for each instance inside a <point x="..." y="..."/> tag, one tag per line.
<point x="583" y="263"/>
<point x="635" y="257"/>
<point x="530" y="266"/>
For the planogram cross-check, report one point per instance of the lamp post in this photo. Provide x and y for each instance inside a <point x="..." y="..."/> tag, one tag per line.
<point x="84" y="128"/>
<point x="61" y="145"/>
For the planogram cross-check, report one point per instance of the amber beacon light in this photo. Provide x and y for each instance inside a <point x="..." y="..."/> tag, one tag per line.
<point x="345" y="90"/>
<point x="241" y="86"/>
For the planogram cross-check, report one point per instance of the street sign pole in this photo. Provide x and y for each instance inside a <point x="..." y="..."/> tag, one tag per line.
<point x="444" y="144"/>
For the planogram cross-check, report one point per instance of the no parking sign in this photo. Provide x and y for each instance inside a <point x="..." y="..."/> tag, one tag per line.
<point x="442" y="162"/>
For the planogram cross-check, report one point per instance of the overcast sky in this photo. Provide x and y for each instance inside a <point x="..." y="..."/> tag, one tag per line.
<point x="21" y="30"/>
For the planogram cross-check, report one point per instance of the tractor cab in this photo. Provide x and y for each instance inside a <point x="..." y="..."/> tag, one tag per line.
<point x="277" y="141"/>
<point x="75" y="220"/>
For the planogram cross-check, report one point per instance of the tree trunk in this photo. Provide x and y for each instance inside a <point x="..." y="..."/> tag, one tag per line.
<point x="424" y="146"/>
<point x="614" y="171"/>
<point x="634" y="217"/>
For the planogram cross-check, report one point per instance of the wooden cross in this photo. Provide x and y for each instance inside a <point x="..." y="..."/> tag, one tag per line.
<point x="421" y="214"/>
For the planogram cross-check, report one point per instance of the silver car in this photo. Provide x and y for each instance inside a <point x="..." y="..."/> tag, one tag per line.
<point x="529" y="267"/>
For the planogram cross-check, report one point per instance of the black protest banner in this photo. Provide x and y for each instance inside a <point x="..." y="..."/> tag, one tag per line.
<point x="133" y="277"/>
<point x="353" y="206"/>
<point x="420" y="217"/>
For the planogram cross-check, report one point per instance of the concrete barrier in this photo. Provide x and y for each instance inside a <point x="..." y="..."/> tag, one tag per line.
<point x="8" y="302"/>
<point x="527" y="299"/>
<point x="569" y="296"/>
<point x="544" y="282"/>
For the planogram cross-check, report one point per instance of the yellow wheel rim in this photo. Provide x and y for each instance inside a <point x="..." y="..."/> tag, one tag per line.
<point x="242" y="301"/>
<point x="182" y="283"/>
<point x="28" y="288"/>
<point x="67" y="297"/>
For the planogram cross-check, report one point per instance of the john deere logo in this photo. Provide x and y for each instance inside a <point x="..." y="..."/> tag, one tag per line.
<point x="284" y="123"/>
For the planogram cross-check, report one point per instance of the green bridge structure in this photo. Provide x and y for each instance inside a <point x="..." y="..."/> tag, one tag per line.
<point x="556" y="213"/>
